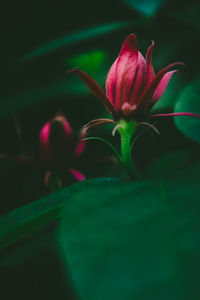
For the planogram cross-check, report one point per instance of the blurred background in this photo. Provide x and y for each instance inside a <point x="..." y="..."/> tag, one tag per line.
<point x="40" y="41"/>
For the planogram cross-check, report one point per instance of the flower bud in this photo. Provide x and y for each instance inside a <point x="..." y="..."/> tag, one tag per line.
<point x="56" y="141"/>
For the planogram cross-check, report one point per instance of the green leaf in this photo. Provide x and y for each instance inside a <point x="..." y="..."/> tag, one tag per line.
<point x="189" y="101"/>
<point x="90" y="62"/>
<point x="23" y="221"/>
<point x="146" y="7"/>
<point x="137" y="240"/>
<point x="170" y="162"/>
<point x="76" y="37"/>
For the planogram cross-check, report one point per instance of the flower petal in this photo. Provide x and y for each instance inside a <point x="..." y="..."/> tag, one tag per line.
<point x="110" y="82"/>
<point x="80" y="148"/>
<point x="181" y="114"/>
<point x="149" y="69"/>
<point x="145" y="100"/>
<point x="95" y="88"/>
<point x="162" y="86"/>
<point x="76" y="174"/>
<point x="44" y="142"/>
<point x="81" y="144"/>
<point x="125" y="70"/>
<point x="139" y="80"/>
<point x="160" y="89"/>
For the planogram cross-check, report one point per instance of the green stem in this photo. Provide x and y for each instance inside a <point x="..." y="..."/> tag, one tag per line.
<point x="127" y="130"/>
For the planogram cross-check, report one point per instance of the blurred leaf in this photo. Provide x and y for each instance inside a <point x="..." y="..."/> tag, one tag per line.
<point x="189" y="101"/>
<point x="29" y="218"/>
<point x="146" y="7"/>
<point x="91" y="62"/>
<point x="95" y="63"/>
<point x="169" y="163"/>
<point x="189" y="14"/>
<point x="138" y="240"/>
<point x="75" y="37"/>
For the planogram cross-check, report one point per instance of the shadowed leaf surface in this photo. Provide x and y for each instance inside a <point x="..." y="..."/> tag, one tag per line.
<point x="134" y="240"/>
<point x="23" y="221"/>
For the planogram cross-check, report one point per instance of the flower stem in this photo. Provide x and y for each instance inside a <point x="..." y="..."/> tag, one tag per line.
<point x="127" y="130"/>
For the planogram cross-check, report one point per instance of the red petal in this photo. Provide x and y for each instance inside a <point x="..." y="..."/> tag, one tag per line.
<point x="80" y="148"/>
<point x="149" y="71"/>
<point x="181" y="114"/>
<point x="44" y="134"/>
<point x="126" y="70"/>
<point x="110" y="82"/>
<point x="95" y="88"/>
<point x="146" y="97"/>
<point x="139" y="80"/>
<point x="67" y="129"/>
<point x="81" y="145"/>
<point x="44" y="141"/>
<point x="162" y="86"/>
<point x="76" y="174"/>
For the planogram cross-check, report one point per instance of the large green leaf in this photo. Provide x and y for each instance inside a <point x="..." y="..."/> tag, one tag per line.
<point x="29" y="218"/>
<point x="135" y="240"/>
<point x="189" y="101"/>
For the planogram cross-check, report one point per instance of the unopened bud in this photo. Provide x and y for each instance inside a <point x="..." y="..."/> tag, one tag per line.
<point x="56" y="140"/>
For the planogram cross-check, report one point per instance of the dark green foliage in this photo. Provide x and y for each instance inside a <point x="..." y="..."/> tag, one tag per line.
<point x="134" y="240"/>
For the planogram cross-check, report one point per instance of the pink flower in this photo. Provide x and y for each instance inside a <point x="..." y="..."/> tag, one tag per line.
<point x="59" y="148"/>
<point x="132" y="88"/>
<point x="59" y="151"/>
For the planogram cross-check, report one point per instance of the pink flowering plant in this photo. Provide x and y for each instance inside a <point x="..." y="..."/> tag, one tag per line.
<point x="60" y="148"/>
<point x="77" y="220"/>
<point x="132" y="89"/>
<point x="59" y="151"/>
